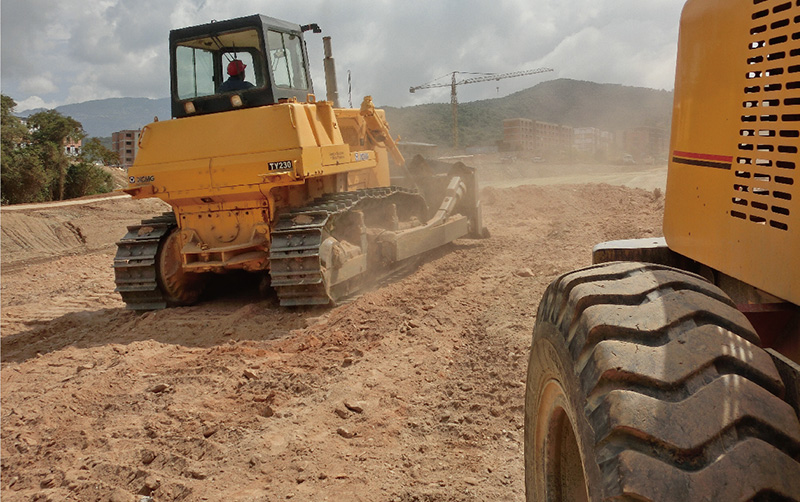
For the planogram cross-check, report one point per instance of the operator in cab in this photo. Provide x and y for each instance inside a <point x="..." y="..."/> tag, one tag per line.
<point x="236" y="81"/>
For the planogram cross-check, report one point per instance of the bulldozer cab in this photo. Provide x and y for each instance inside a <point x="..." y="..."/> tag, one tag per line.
<point x="272" y="51"/>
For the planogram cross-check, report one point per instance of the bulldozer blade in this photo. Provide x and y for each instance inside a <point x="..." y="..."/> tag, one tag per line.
<point x="432" y="178"/>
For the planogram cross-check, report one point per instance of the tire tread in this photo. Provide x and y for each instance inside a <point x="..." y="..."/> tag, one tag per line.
<point x="684" y="403"/>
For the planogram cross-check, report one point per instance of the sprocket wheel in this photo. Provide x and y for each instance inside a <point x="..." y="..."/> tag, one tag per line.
<point x="178" y="287"/>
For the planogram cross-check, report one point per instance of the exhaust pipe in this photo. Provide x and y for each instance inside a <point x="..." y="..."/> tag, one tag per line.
<point x="330" y="73"/>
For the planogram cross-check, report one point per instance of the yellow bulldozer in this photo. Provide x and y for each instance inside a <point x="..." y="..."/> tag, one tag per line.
<point x="264" y="178"/>
<point x="668" y="370"/>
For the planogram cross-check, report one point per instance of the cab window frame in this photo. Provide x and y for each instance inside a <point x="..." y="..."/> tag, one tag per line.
<point x="296" y="64"/>
<point x="219" y="63"/>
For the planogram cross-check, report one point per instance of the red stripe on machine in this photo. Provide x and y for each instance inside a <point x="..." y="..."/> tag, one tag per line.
<point x="703" y="156"/>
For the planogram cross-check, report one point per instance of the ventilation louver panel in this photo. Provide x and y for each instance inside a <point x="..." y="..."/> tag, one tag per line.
<point x="766" y="168"/>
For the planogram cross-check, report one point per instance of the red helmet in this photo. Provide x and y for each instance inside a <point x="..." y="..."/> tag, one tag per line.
<point x="236" y="67"/>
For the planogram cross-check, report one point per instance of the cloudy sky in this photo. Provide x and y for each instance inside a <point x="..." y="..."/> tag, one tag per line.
<point x="70" y="51"/>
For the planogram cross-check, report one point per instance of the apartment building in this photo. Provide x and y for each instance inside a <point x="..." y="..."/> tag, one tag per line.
<point x="72" y="147"/>
<point x="540" y="138"/>
<point x="644" y="143"/>
<point x="592" y="142"/>
<point x="125" y="144"/>
<point x="518" y="134"/>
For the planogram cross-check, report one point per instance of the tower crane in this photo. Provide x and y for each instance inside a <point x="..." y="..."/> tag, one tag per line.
<point x="481" y="77"/>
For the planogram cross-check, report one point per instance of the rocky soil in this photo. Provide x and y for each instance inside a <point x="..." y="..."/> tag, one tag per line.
<point x="411" y="392"/>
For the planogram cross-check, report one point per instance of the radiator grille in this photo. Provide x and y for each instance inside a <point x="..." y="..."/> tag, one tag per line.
<point x="766" y="179"/>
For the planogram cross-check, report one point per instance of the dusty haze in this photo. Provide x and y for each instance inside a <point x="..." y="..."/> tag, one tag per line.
<point x="411" y="392"/>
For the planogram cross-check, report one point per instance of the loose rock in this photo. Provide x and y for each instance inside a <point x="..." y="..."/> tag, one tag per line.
<point x="354" y="406"/>
<point x="148" y="457"/>
<point x="158" y="388"/>
<point x="152" y="483"/>
<point x="525" y="272"/>
<point x="120" y="495"/>
<point x="198" y="474"/>
<point x="345" y="433"/>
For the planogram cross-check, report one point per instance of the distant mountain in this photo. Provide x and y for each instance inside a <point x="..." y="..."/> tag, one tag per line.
<point x="102" y="117"/>
<point x="610" y="107"/>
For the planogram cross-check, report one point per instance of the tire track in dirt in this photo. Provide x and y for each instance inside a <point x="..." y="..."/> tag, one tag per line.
<point x="411" y="392"/>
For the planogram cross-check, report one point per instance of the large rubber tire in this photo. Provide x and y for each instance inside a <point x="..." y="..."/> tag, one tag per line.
<point x="645" y="383"/>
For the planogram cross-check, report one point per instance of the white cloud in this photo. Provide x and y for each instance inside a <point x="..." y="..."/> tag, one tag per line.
<point x="74" y="50"/>
<point x="39" y="84"/>
<point x="32" y="103"/>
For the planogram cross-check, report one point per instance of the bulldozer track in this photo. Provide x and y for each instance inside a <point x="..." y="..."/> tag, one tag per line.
<point x="135" y="264"/>
<point x="295" y="267"/>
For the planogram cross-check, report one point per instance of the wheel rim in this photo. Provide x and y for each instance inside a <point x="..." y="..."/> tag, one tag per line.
<point x="178" y="287"/>
<point x="557" y="446"/>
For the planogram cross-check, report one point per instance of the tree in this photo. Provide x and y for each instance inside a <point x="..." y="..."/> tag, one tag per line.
<point x="23" y="176"/>
<point x="14" y="131"/>
<point x="94" y="151"/>
<point x="34" y="165"/>
<point x="84" y="178"/>
<point x="50" y="131"/>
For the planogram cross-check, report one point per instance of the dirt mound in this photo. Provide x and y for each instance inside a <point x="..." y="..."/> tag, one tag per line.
<point x="119" y="176"/>
<point x="44" y="231"/>
<point x="411" y="392"/>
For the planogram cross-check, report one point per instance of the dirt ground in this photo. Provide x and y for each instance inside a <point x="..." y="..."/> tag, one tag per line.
<point x="411" y="392"/>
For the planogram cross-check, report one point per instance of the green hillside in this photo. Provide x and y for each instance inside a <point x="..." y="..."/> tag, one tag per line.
<point x="610" y="107"/>
<point x="575" y="103"/>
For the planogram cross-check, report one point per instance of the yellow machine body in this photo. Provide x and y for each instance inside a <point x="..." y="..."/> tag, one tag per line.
<point x="263" y="177"/>
<point x="733" y="185"/>
<point x="653" y="363"/>
<point x="226" y="174"/>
